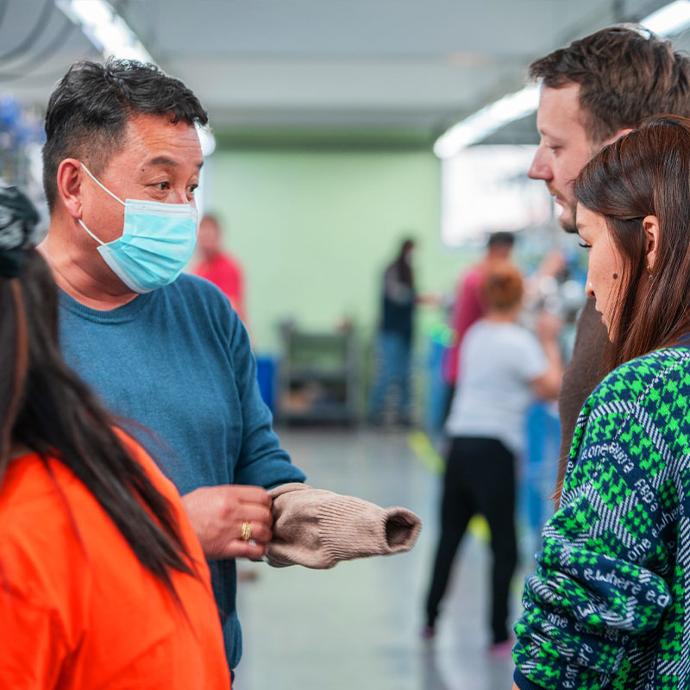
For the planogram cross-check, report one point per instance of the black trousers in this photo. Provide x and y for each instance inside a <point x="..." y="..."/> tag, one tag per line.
<point x="479" y="478"/>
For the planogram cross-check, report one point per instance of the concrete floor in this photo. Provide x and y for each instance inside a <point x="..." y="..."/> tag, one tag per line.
<point x="357" y="626"/>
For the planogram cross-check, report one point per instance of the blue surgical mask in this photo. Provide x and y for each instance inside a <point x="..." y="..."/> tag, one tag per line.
<point x="157" y="242"/>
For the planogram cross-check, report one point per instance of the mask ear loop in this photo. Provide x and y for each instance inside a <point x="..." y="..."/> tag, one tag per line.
<point x="107" y="191"/>
<point x="93" y="237"/>
<point x="101" y="185"/>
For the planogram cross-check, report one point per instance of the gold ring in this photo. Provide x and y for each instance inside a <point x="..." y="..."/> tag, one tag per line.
<point x="246" y="531"/>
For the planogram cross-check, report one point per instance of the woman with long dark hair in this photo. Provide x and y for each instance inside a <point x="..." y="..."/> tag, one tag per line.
<point x="609" y="603"/>
<point x="102" y="581"/>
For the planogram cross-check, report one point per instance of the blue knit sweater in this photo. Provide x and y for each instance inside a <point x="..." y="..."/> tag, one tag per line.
<point x="178" y="362"/>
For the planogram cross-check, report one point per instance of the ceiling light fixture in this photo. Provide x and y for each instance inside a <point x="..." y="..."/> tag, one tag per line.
<point x="487" y="120"/>
<point x="670" y="19"/>
<point x="105" y="28"/>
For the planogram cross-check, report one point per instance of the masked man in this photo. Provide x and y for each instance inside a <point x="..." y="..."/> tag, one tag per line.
<point x="121" y="163"/>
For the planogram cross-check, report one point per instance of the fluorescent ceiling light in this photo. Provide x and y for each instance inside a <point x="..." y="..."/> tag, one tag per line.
<point x="487" y="120"/>
<point x="111" y="34"/>
<point x="206" y="139"/>
<point x="670" y="19"/>
<point x="106" y="29"/>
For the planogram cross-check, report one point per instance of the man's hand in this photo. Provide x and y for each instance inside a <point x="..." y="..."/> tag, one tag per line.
<point x="217" y="514"/>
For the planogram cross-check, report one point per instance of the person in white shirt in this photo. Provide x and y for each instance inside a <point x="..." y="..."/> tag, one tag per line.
<point x="504" y="367"/>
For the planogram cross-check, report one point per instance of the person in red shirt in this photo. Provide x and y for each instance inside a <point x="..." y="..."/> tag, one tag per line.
<point x="468" y="306"/>
<point x="103" y="583"/>
<point x="219" y="267"/>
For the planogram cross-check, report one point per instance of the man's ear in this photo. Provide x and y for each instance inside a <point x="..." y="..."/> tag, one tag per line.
<point x="650" y="224"/>
<point x="68" y="181"/>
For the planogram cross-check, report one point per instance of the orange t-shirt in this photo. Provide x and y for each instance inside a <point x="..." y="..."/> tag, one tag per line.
<point x="78" y="610"/>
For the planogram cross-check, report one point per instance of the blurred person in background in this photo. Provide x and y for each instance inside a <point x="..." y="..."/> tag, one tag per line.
<point x="504" y="367"/>
<point x="102" y="580"/>
<point x="395" y="338"/>
<point x="592" y="92"/>
<point x="608" y="604"/>
<point x="468" y="307"/>
<point x="219" y="266"/>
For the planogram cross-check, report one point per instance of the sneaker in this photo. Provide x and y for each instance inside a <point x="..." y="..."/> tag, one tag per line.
<point x="428" y="632"/>
<point x="501" y="650"/>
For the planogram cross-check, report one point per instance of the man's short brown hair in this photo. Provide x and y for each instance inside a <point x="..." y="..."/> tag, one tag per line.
<point x="625" y="76"/>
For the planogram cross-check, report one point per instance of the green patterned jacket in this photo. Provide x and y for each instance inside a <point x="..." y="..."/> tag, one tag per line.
<point x="609" y="603"/>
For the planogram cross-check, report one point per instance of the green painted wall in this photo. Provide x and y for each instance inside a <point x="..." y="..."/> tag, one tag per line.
<point x="314" y="230"/>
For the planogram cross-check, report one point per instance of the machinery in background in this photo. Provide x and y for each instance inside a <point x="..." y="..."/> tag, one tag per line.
<point x="318" y="376"/>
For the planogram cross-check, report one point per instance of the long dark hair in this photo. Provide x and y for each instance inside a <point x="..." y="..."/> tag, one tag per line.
<point x="46" y="408"/>
<point x="645" y="173"/>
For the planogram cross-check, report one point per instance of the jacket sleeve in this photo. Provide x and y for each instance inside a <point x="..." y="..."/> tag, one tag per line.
<point x="597" y="586"/>
<point x="318" y="529"/>
<point x="467" y="309"/>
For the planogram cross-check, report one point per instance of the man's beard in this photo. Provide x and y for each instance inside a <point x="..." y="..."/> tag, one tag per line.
<point x="570" y="226"/>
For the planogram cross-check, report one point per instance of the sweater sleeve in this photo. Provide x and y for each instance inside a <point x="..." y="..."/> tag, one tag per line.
<point x="318" y="529"/>
<point x="262" y="462"/>
<point x="598" y="586"/>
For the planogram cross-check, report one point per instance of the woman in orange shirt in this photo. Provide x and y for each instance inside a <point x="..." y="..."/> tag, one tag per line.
<point x="102" y="581"/>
